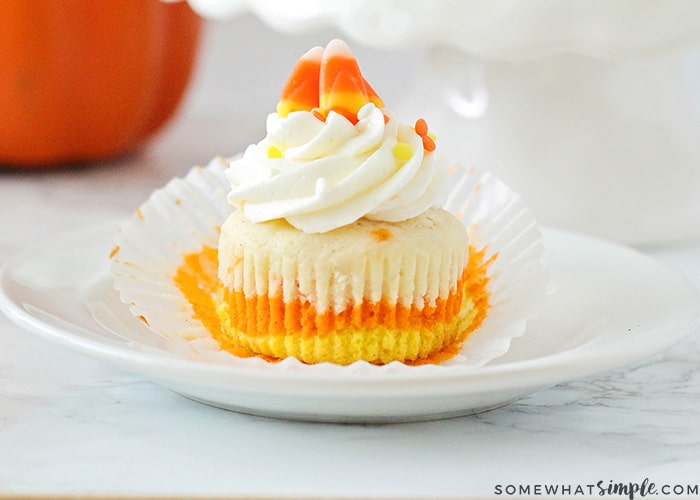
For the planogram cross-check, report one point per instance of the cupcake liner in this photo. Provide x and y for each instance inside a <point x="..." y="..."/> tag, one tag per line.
<point x="187" y="213"/>
<point x="497" y="218"/>
<point x="177" y="219"/>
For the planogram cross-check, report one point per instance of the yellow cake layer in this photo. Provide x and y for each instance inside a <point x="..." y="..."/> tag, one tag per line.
<point x="379" y="344"/>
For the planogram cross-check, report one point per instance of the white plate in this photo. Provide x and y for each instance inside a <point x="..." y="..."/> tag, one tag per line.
<point x="614" y="306"/>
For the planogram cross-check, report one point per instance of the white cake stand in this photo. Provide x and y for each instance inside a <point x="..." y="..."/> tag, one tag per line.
<point x="591" y="110"/>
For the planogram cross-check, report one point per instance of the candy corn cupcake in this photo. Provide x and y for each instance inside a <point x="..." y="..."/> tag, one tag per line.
<point x="338" y="250"/>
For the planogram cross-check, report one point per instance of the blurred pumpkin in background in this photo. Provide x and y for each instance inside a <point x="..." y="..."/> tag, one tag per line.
<point x="84" y="80"/>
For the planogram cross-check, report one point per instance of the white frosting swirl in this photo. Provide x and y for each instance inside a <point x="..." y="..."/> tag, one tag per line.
<point x="333" y="173"/>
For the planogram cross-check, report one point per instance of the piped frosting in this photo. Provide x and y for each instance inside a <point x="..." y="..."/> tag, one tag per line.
<point x="333" y="154"/>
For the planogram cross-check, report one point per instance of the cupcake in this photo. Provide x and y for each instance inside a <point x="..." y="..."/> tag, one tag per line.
<point x="338" y="250"/>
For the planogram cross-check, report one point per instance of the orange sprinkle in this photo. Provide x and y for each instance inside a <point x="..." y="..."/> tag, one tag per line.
<point x="143" y="318"/>
<point x="139" y="213"/>
<point x="114" y="251"/>
<point x="381" y="234"/>
<point x="421" y="127"/>
<point x="178" y="201"/>
<point x="386" y="118"/>
<point x="318" y="115"/>
<point x="428" y="144"/>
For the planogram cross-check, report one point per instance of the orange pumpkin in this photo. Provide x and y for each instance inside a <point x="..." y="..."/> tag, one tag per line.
<point x="84" y="80"/>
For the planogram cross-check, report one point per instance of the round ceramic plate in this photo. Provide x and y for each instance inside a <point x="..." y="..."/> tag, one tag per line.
<point x="613" y="306"/>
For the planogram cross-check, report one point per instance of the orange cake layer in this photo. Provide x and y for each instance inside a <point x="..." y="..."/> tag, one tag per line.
<point x="264" y="315"/>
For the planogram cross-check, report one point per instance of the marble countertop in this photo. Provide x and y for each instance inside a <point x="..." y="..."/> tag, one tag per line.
<point x="72" y="425"/>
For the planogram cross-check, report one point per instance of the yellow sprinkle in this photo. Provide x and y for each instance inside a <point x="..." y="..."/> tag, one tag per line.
<point x="284" y="108"/>
<point x="274" y="152"/>
<point x="432" y="136"/>
<point x="402" y="151"/>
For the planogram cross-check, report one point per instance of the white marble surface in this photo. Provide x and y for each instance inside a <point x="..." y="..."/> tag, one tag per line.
<point x="71" y="425"/>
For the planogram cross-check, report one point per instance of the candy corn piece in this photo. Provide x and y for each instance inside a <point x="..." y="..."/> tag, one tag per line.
<point x="343" y="89"/>
<point x="373" y="97"/>
<point x="300" y="93"/>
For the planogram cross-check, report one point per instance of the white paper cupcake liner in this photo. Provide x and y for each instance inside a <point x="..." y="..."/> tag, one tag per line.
<point x="186" y="214"/>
